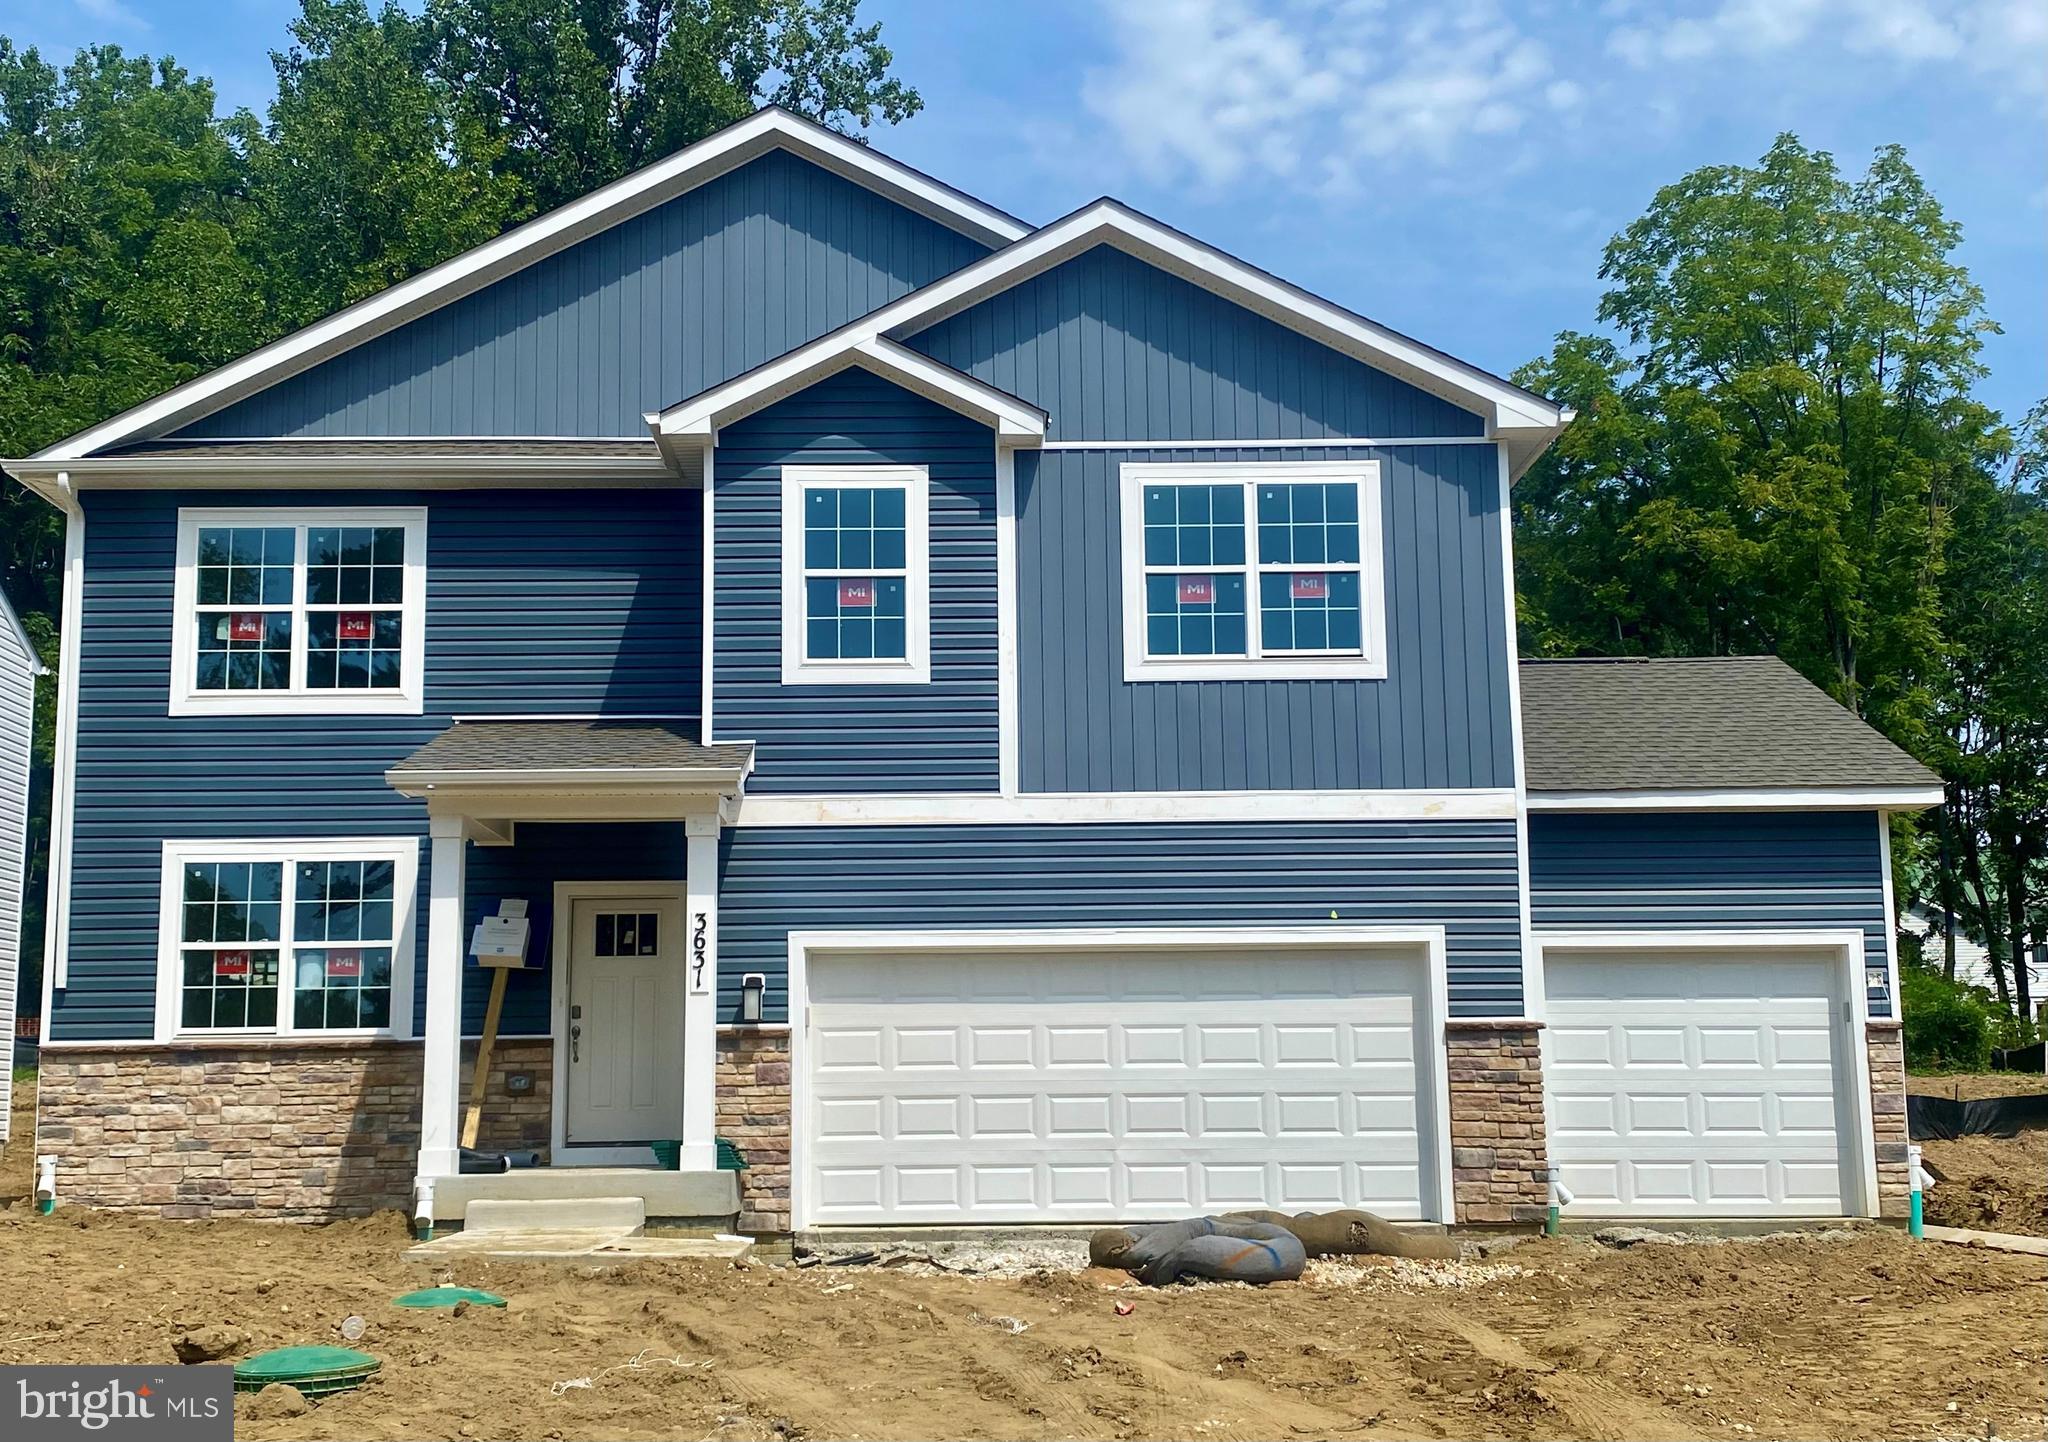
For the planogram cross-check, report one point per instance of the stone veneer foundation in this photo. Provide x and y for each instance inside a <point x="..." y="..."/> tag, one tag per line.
<point x="1499" y="1172"/>
<point x="1886" y="1043"/>
<point x="303" y="1131"/>
<point x="754" y="1115"/>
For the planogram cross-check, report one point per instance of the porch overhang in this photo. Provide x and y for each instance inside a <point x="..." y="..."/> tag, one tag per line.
<point x="491" y="775"/>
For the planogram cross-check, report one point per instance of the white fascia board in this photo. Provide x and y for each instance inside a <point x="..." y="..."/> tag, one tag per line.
<point x="1819" y="798"/>
<point x="357" y="471"/>
<point x="570" y="780"/>
<point x="1508" y="410"/>
<point x="700" y="419"/>
<point x="10" y="623"/>
<point x="982" y="808"/>
<point x="537" y="239"/>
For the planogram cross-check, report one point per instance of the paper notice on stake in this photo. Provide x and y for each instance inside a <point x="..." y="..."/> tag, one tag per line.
<point x="856" y="595"/>
<point x="1198" y="590"/>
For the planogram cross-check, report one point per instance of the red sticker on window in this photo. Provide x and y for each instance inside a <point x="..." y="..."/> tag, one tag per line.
<point x="345" y="963"/>
<point x="1310" y="586"/>
<point x="245" y="626"/>
<point x="354" y="625"/>
<point x="231" y="963"/>
<point x="1197" y="590"/>
<point x="856" y="595"/>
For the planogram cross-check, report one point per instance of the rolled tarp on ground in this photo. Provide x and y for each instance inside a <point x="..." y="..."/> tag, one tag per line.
<point x="1221" y="1250"/>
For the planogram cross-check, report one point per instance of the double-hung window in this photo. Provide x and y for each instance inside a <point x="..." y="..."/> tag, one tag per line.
<point x="282" y="938"/>
<point x="1253" y="570"/>
<point x="313" y="611"/>
<point x="856" y="575"/>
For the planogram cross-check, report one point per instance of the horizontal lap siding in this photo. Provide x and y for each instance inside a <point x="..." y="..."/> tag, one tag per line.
<point x="1460" y="875"/>
<point x="1760" y="871"/>
<point x="17" y="713"/>
<point x="647" y="313"/>
<point x="584" y="601"/>
<point x="936" y="737"/>
<point x="1440" y="719"/>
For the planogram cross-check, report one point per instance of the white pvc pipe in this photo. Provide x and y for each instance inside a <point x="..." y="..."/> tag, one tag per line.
<point x="46" y="1185"/>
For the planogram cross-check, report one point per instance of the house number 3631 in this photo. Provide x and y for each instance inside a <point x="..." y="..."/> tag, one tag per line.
<point x="698" y="946"/>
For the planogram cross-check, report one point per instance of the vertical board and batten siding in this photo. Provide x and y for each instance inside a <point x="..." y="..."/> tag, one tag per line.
<point x="851" y="738"/>
<point x="638" y="317"/>
<point x="18" y="668"/>
<point x="1456" y="874"/>
<point x="1718" y="871"/>
<point x="576" y="602"/>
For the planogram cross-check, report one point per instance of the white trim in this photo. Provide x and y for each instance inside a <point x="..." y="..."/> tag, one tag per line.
<point x="1369" y="663"/>
<point x="186" y="699"/>
<point x="364" y="472"/>
<point x="10" y="624"/>
<point x="64" y="774"/>
<point x="1534" y="999"/>
<point x="566" y="893"/>
<point x="1432" y="1057"/>
<point x="1009" y="700"/>
<point x="404" y="854"/>
<point x="692" y="166"/>
<point x="1765" y="798"/>
<point x="709" y="585"/>
<point x="1300" y="443"/>
<point x="988" y="808"/>
<point x="1015" y="422"/>
<point x="1851" y="1035"/>
<point x="1891" y="918"/>
<point x="915" y="668"/>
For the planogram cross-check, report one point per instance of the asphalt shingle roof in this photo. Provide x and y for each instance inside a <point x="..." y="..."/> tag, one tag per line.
<point x="543" y="746"/>
<point x="1722" y="722"/>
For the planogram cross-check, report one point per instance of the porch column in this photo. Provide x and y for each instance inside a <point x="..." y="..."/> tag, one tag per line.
<point x="441" y="1078"/>
<point x="700" y="996"/>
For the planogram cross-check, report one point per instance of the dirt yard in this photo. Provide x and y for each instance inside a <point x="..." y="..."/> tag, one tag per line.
<point x="1998" y="1184"/>
<point x="1873" y="1336"/>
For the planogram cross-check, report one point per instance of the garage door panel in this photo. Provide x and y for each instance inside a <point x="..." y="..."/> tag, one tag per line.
<point x="1112" y="1086"/>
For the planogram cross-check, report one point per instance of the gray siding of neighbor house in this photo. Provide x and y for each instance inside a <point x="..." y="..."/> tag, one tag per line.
<point x="18" y="668"/>
<point x="936" y="737"/>
<point x="571" y="601"/>
<point x="1717" y="871"/>
<point x="1457" y="874"/>
<point x="587" y="341"/>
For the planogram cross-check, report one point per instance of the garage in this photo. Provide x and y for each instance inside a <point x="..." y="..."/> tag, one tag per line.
<point x="1707" y="1078"/>
<point x="1072" y="1080"/>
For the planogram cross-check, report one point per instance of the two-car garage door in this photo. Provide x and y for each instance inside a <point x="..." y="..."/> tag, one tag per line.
<point x="976" y="1087"/>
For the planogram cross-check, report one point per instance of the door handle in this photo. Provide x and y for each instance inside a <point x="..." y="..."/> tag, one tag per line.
<point x="575" y="1039"/>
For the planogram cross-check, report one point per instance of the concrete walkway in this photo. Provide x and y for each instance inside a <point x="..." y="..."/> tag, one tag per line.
<point x="1996" y="1241"/>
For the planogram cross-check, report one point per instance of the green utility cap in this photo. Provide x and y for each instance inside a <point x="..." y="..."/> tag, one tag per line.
<point x="448" y="1297"/>
<point x="315" y="1371"/>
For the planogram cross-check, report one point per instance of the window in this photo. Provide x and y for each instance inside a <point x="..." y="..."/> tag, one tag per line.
<point x="855" y="575"/>
<point x="299" y="611"/>
<point x="1249" y="570"/>
<point x="286" y="938"/>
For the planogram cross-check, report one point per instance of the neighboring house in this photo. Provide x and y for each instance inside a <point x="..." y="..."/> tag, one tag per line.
<point x="19" y="667"/>
<point x="1973" y="962"/>
<point x="1005" y="723"/>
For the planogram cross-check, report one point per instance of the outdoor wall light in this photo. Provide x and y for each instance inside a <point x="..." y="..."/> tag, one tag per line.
<point x="752" y="987"/>
<point x="1878" y="979"/>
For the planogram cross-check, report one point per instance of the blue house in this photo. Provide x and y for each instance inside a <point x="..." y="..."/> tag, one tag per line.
<point x="1003" y="723"/>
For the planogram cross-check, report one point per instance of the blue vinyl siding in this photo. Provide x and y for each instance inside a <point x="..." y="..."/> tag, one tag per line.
<point x="1440" y="719"/>
<point x="935" y="737"/>
<point x="1748" y="871"/>
<point x="1120" y="350"/>
<point x="1460" y="875"/>
<point x="647" y="313"/>
<point x="579" y="601"/>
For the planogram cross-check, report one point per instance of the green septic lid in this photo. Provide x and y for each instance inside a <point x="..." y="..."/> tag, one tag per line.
<point x="448" y="1297"/>
<point x="315" y="1371"/>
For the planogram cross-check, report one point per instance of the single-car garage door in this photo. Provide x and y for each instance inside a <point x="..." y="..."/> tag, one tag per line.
<point x="1697" y="1082"/>
<point x="978" y="1087"/>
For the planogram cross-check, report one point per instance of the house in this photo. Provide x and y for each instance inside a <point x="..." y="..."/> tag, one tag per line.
<point x="1973" y="961"/>
<point x="19" y="668"/>
<point x="1003" y="723"/>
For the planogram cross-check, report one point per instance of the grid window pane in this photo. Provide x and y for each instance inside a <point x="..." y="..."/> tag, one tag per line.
<point x="342" y="929"/>
<point x="1308" y="523"/>
<point x="243" y="650"/>
<point x="851" y="618"/>
<point x="354" y="650"/>
<point x="1194" y="525"/>
<point x="245" y="565"/>
<point x="228" y="987"/>
<point x="1310" y="611"/>
<point x="854" y="528"/>
<point x="628" y="933"/>
<point x="1194" y="614"/>
<point x="355" y="565"/>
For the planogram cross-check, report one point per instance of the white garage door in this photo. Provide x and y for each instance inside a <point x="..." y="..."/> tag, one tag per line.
<point x="1696" y="1082"/>
<point x="1062" y="1086"/>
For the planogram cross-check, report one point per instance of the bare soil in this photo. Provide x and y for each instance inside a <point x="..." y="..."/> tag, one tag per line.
<point x="1872" y="1336"/>
<point x="1995" y="1184"/>
<point x="1976" y="1085"/>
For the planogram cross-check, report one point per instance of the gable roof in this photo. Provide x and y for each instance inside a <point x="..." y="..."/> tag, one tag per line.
<point x="1523" y="421"/>
<point x="10" y="625"/>
<point x="1659" y="727"/>
<point x="652" y="185"/>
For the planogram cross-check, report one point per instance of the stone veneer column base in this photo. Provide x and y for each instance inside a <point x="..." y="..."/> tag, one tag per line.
<point x="295" y="1130"/>
<point x="1499" y="1170"/>
<point x="754" y="1115"/>
<point x="1886" y="1043"/>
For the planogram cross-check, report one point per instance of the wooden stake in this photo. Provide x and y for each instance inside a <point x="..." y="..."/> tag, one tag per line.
<point x="473" y="1119"/>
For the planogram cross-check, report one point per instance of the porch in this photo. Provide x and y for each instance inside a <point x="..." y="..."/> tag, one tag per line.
<point x="608" y="832"/>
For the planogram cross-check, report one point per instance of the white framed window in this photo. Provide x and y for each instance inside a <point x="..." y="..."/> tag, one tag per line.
<point x="286" y="938"/>
<point x="856" y="575"/>
<point x="312" y="611"/>
<point x="1240" y="571"/>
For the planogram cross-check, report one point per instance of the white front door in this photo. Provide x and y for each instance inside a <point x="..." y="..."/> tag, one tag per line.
<point x="625" y="1021"/>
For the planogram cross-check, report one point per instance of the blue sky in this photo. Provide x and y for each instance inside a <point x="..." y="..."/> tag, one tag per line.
<point x="1450" y="168"/>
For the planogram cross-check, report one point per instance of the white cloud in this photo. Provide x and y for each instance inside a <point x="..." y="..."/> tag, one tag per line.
<point x="2004" y="38"/>
<point x="112" y="12"/>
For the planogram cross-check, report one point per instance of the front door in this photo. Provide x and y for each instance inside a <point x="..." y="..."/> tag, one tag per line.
<point x="625" y="1021"/>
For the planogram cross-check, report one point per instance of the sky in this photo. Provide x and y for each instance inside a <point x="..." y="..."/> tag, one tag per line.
<point x="1450" y="168"/>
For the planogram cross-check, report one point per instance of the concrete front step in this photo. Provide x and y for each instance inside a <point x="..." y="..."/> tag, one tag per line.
<point x="616" y="1216"/>
<point x="706" y="1199"/>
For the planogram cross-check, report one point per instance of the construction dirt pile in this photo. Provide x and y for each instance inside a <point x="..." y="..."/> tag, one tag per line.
<point x="1994" y="1184"/>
